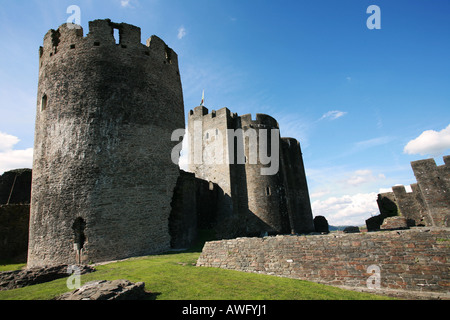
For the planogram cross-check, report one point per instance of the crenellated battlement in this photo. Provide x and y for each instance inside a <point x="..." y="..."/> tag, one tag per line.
<point x="70" y="38"/>
<point x="262" y="120"/>
<point x="429" y="202"/>
<point x="203" y="112"/>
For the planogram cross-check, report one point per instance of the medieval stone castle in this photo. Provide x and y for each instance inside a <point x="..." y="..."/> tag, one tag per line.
<point x="104" y="186"/>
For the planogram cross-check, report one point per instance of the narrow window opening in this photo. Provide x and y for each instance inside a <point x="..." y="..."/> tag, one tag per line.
<point x="207" y="135"/>
<point x="44" y="102"/>
<point x="72" y="46"/>
<point x="96" y="44"/>
<point x="217" y="132"/>
<point x="168" y="55"/>
<point x="268" y="191"/>
<point x="79" y="227"/>
<point x="116" y="35"/>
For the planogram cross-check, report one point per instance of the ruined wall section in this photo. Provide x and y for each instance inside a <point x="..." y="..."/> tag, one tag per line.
<point x="429" y="202"/>
<point x="406" y="201"/>
<point x="297" y="194"/>
<point x="416" y="260"/>
<point x="435" y="188"/>
<point x="102" y="166"/>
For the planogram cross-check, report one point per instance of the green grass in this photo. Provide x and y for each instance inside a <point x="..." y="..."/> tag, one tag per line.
<point x="6" y="266"/>
<point x="175" y="277"/>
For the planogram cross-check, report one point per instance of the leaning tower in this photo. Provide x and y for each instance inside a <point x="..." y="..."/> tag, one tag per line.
<point x="102" y="171"/>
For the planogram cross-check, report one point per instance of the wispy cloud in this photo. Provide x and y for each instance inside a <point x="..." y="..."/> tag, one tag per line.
<point x="372" y="142"/>
<point x="181" y="32"/>
<point x="430" y="142"/>
<point x="333" y="115"/>
<point x="293" y="125"/>
<point x="125" y="3"/>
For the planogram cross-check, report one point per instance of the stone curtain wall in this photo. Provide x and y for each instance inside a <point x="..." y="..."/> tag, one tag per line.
<point x="412" y="260"/>
<point x="14" y="222"/>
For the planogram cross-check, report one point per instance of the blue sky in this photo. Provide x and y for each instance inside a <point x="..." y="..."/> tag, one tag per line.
<point x="353" y="97"/>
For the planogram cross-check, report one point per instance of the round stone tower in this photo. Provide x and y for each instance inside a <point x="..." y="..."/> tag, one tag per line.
<point x="264" y="179"/>
<point x="102" y="171"/>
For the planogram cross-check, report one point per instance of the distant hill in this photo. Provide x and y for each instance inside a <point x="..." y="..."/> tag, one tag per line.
<point x="336" y="228"/>
<point x="341" y="228"/>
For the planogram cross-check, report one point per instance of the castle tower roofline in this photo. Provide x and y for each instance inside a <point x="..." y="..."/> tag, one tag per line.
<point x="261" y="119"/>
<point x="291" y="141"/>
<point x="101" y="34"/>
<point x="203" y="111"/>
<point x="199" y="111"/>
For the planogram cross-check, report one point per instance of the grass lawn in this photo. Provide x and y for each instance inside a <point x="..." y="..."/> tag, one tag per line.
<point x="174" y="277"/>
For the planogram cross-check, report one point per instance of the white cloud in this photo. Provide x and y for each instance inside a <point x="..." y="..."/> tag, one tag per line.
<point x="7" y="141"/>
<point x="347" y="209"/>
<point x="13" y="159"/>
<point x="125" y="3"/>
<point x="430" y="142"/>
<point x="333" y="115"/>
<point x="181" y="32"/>
<point x="363" y="176"/>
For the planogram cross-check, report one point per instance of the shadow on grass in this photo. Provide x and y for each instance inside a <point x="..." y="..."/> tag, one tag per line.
<point x="203" y="236"/>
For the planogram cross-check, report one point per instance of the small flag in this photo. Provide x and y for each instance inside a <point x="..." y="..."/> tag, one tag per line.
<point x="203" y="99"/>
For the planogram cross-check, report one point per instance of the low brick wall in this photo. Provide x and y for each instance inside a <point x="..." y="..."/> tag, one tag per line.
<point x="414" y="260"/>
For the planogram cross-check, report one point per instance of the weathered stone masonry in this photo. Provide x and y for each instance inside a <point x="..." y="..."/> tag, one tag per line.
<point x="412" y="260"/>
<point x="252" y="203"/>
<point x="429" y="202"/>
<point x="103" y="177"/>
